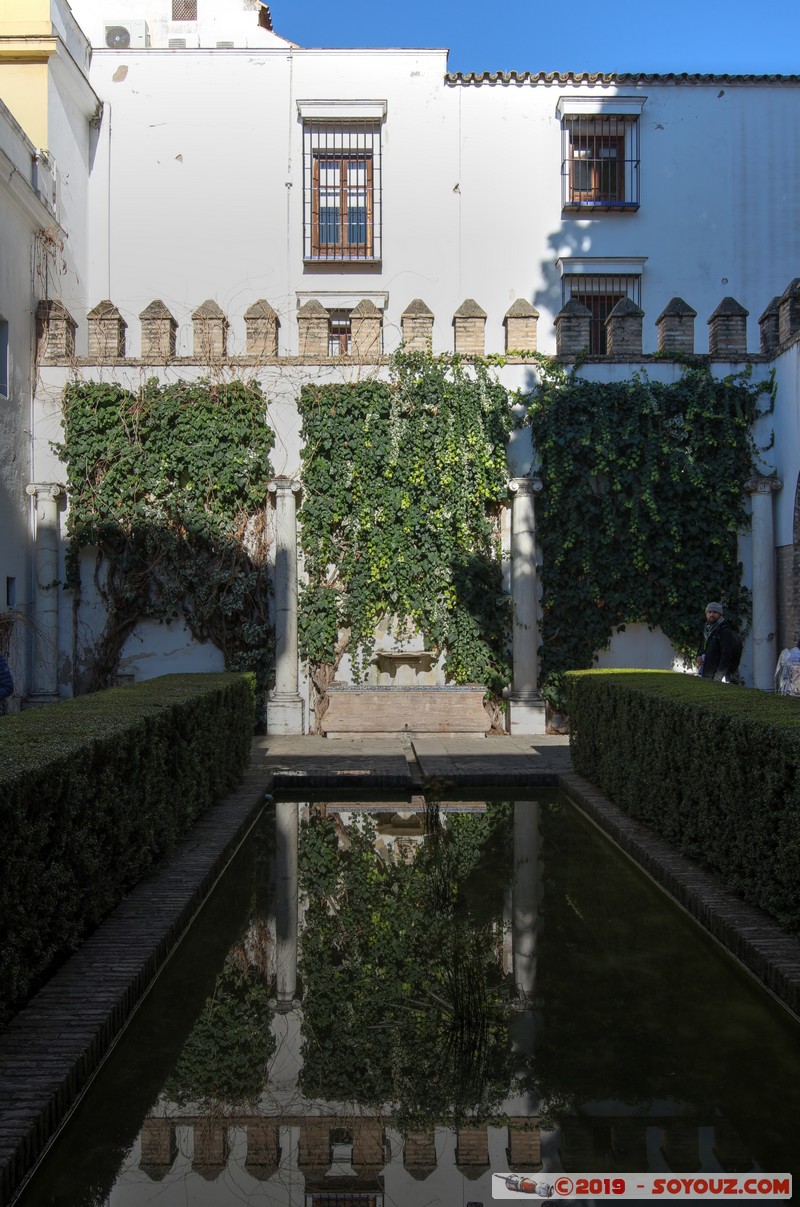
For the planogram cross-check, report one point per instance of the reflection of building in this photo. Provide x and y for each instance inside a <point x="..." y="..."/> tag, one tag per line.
<point x="362" y="1158"/>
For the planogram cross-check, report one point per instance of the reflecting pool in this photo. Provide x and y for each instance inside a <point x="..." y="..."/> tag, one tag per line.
<point x="383" y="1002"/>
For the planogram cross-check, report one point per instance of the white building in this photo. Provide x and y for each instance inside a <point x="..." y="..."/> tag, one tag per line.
<point x="199" y="156"/>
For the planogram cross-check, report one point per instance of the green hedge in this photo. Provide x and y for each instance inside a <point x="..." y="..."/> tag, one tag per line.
<point x="714" y="769"/>
<point x="93" y="792"/>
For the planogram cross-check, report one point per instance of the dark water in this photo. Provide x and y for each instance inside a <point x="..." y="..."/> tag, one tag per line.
<point x="385" y="1004"/>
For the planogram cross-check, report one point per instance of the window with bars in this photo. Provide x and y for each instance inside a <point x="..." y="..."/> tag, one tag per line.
<point x="599" y="293"/>
<point x="600" y="162"/>
<point x="184" y="10"/>
<point x="342" y="190"/>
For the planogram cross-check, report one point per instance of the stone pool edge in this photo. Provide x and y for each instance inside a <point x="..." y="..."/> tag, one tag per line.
<point x="750" y="935"/>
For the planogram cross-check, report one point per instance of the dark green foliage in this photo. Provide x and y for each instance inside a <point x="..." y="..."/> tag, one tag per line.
<point x="224" y="1059"/>
<point x="714" y="769"/>
<point x="642" y="505"/>
<point x="399" y="515"/>
<point x="405" y="1000"/>
<point x="93" y="792"/>
<point x="168" y="485"/>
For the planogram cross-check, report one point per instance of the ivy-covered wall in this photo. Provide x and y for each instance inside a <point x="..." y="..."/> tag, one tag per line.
<point x="167" y="486"/>
<point x="402" y="484"/>
<point x="642" y="505"/>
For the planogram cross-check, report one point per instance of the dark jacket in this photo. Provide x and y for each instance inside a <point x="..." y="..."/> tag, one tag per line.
<point x="721" y="649"/>
<point x="6" y="682"/>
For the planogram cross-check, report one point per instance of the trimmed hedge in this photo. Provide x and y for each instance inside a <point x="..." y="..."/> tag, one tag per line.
<point x="713" y="769"/>
<point x="93" y="793"/>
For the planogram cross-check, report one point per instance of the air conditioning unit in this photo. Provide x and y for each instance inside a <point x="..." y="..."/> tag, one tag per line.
<point x="126" y="35"/>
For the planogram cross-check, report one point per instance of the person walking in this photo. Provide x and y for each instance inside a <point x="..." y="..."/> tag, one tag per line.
<point x="721" y="646"/>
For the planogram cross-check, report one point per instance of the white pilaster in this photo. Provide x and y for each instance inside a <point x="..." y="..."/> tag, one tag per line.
<point x="527" y="706"/>
<point x="285" y="706"/>
<point x="761" y="490"/>
<point x="46" y="498"/>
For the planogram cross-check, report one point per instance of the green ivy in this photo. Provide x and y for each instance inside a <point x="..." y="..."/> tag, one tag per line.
<point x="168" y="485"/>
<point x="402" y="483"/>
<point x="642" y="505"/>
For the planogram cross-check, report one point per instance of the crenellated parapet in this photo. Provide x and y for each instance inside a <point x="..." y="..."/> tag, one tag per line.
<point x="353" y="329"/>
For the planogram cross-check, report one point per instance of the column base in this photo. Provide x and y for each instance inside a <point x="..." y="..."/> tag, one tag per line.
<point x="40" y="699"/>
<point x="285" y="715"/>
<point x="527" y="714"/>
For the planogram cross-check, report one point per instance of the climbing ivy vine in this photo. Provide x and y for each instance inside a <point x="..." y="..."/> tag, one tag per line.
<point x="642" y="505"/>
<point x="168" y="484"/>
<point x="402" y="485"/>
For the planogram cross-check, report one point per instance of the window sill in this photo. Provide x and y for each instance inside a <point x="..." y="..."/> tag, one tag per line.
<point x="603" y="206"/>
<point x="341" y="260"/>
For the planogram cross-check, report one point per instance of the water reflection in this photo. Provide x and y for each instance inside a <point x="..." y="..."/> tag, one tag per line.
<point x="420" y="993"/>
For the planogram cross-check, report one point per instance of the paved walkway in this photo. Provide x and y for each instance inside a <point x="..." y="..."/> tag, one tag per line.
<point x="52" y="1048"/>
<point x="407" y="764"/>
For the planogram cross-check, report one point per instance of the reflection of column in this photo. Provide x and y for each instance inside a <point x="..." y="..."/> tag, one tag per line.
<point x="286" y="902"/>
<point x="526" y="893"/>
<point x="525" y="919"/>
<point x="761" y="490"/>
<point x="285" y="707"/>
<point x="45" y="641"/>
<point x="527" y="706"/>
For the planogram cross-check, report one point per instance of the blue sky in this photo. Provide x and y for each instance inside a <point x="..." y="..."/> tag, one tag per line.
<point x="717" y="36"/>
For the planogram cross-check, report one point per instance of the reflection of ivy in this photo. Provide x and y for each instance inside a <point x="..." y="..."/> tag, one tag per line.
<point x="405" y="999"/>
<point x="224" y="1060"/>
<point x="168" y="485"/>
<point x="402" y="483"/>
<point x="642" y="504"/>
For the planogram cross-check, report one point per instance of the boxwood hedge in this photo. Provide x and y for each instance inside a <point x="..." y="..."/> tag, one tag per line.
<point x="93" y="793"/>
<point x="714" y="769"/>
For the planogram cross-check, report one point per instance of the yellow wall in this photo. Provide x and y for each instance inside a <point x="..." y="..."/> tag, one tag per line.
<point x="26" y="45"/>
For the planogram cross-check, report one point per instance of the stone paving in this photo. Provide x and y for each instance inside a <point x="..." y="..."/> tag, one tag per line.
<point x="52" y="1048"/>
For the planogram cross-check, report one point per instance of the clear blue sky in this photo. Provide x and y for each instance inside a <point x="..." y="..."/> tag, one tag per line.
<point x="719" y="36"/>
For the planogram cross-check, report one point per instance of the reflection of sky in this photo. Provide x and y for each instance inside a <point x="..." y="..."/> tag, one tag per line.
<point x="639" y="1037"/>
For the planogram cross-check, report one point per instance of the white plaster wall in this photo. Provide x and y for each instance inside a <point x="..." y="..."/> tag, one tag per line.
<point x="784" y="425"/>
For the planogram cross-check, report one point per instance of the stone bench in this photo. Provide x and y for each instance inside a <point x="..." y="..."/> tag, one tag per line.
<point x="405" y="710"/>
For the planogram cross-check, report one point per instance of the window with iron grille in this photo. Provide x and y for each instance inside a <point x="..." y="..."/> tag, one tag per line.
<point x="342" y="190"/>
<point x="599" y="293"/>
<point x="600" y="161"/>
<point x="184" y="10"/>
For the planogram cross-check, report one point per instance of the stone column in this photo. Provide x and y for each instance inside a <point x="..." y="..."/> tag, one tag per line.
<point x="527" y="706"/>
<point x="761" y="490"/>
<point x="285" y="707"/>
<point x="45" y="638"/>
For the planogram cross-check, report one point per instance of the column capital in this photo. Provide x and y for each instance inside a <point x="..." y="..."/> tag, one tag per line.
<point x="761" y="484"/>
<point x="283" y="485"/>
<point x="525" y="486"/>
<point x="49" y="490"/>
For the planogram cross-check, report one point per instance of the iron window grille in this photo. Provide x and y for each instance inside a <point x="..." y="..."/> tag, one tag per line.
<point x="599" y="293"/>
<point x="599" y="162"/>
<point x="342" y="190"/>
<point x="184" y="10"/>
